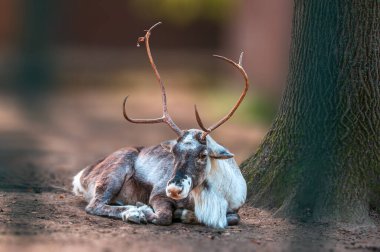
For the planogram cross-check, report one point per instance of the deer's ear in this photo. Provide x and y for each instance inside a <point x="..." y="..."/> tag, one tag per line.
<point x="217" y="151"/>
<point x="168" y="145"/>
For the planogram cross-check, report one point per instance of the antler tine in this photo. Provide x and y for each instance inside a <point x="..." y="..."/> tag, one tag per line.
<point x="237" y="104"/>
<point x="156" y="120"/>
<point x="165" y="117"/>
<point x="200" y="123"/>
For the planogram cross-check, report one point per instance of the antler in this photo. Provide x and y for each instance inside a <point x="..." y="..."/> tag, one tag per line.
<point x="165" y="117"/>
<point x="232" y="111"/>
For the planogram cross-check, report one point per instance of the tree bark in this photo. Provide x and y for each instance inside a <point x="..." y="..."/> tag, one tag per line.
<point x="321" y="158"/>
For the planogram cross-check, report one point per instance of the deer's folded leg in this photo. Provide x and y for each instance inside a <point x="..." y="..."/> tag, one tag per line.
<point x="163" y="210"/>
<point x="185" y="216"/>
<point x="105" y="187"/>
<point x="98" y="207"/>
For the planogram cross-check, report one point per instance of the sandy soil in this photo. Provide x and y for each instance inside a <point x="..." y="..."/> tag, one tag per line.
<point x="43" y="146"/>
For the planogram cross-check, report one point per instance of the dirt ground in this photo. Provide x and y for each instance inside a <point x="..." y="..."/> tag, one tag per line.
<point x="44" y="144"/>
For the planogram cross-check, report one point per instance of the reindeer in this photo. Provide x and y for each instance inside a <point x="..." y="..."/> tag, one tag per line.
<point x="192" y="179"/>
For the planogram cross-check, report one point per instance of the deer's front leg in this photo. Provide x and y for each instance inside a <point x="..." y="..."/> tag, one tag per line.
<point x="163" y="210"/>
<point x="185" y="216"/>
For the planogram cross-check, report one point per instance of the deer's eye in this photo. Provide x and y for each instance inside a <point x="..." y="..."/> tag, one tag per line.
<point x="202" y="155"/>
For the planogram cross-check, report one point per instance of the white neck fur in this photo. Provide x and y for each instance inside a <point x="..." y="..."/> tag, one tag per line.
<point x="224" y="190"/>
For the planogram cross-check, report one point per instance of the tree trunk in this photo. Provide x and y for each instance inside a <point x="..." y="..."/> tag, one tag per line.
<point x="321" y="158"/>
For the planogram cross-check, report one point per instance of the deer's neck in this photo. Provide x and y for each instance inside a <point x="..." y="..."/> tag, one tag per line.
<point x="209" y="206"/>
<point x="224" y="189"/>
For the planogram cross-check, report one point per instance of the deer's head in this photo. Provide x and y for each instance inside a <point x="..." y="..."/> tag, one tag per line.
<point x="193" y="149"/>
<point x="192" y="156"/>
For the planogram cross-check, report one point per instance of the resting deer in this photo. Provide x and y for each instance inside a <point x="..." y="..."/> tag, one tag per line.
<point x="192" y="178"/>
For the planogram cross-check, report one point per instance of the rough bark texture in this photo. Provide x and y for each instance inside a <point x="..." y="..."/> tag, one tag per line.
<point x="321" y="158"/>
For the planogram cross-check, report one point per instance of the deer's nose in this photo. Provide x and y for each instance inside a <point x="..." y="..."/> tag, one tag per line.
<point x="174" y="190"/>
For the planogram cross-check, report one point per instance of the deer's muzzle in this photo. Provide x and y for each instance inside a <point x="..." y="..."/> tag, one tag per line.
<point x="179" y="188"/>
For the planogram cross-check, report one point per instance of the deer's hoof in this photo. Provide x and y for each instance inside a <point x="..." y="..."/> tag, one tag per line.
<point x="233" y="219"/>
<point x="147" y="210"/>
<point x="134" y="215"/>
<point x="162" y="220"/>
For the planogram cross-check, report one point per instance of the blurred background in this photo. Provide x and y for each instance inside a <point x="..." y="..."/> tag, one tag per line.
<point x="66" y="65"/>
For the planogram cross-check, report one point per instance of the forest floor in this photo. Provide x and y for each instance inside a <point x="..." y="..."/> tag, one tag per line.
<point x="43" y="144"/>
